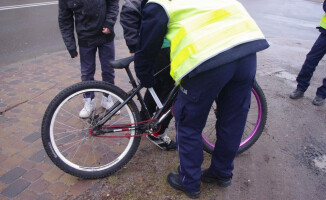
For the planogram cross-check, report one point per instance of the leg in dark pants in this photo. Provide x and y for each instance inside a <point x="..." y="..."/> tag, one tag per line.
<point x="107" y="53"/>
<point x="232" y="110"/>
<point x="88" y="63"/>
<point x="316" y="53"/>
<point x="321" y="91"/>
<point x="88" y="66"/>
<point x="191" y="108"/>
<point x="163" y="85"/>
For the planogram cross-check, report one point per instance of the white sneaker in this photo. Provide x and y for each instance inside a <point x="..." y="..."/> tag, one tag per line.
<point x="89" y="107"/>
<point x="107" y="103"/>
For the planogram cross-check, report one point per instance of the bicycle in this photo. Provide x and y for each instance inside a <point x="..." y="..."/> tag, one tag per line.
<point x="100" y="145"/>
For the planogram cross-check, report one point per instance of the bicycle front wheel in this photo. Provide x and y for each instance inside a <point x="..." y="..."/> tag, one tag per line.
<point x="255" y="124"/>
<point x="67" y="138"/>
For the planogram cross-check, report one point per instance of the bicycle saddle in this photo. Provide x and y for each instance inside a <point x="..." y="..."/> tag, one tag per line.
<point x="121" y="63"/>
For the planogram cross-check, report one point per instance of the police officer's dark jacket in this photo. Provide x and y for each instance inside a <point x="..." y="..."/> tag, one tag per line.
<point x="90" y="18"/>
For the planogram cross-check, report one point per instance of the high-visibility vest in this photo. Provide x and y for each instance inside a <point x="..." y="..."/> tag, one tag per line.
<point x="201" y="29"/>
<point x="322" y="22"/>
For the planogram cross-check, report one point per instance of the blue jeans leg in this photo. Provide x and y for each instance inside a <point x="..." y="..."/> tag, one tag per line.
<point x="316" y="53"/>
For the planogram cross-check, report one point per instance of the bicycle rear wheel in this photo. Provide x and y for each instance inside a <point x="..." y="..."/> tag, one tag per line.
<point x="255" y="124"/>
<point x="67" y="138"/>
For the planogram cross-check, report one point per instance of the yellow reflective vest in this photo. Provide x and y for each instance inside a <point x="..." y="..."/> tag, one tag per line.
<point x="201" y="29"/>
<point x="322" y="22"/>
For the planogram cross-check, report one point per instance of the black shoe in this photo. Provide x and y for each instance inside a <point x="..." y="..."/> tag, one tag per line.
<point x="208" y="177"/>
<point x="163" y="142"/>
<point x="318" y="101"/>
<point x="174" y="181"/>
<point x="296" y="94"/>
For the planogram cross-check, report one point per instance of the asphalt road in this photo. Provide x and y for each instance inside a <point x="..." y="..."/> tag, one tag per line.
<point x="31" y="31"/>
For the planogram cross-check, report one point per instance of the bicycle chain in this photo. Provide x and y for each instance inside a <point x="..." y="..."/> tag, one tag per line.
<point x="147" y="122"/>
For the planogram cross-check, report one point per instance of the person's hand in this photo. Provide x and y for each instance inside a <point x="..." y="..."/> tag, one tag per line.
<point x="106" y="31"/>
<point x="132" y="54"/>
<point x="73" y="54"/>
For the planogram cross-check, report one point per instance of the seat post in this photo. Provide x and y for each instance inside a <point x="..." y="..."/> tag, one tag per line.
<point x="131" y="77"/>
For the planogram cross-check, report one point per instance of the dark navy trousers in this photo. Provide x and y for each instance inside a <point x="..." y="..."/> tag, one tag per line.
<point x="232" y="84"/>
<point x="106" y="53"/>
<point x="316" y="53"/>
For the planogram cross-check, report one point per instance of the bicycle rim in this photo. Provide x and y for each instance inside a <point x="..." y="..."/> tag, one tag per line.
<point x="71" y="139"/>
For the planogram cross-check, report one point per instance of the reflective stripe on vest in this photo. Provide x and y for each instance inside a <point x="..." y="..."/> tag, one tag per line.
<point x="323" y="22"/>
<point x="200" y="30"/>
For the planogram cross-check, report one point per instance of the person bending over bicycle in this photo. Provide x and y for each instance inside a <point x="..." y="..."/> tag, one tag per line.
<point x="213" y="54"/>
<point x="130" y="18"/>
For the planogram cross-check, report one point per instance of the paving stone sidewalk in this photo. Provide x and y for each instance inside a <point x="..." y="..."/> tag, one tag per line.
<point x="26" y="89"/>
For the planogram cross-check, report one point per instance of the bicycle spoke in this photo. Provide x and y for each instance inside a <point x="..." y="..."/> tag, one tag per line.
<point x="93" y="113"/>
<point x="66" y="125"/>
<point x="75" y="116"/>
<point x="91" y="150"/>
<point x="71" y="131"/>
<point x="73" y="157"/>
<point x="74" y="143"/>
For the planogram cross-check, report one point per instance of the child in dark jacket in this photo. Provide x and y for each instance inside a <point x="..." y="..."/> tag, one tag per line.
<point x="93" y="22"/>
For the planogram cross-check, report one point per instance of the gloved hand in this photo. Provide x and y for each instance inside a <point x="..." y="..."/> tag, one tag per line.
<point x="146" y="81"/>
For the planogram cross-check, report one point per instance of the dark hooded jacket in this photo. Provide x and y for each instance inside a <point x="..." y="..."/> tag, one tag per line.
<point x="88" y="18"/>
<point x="130" y="19"/>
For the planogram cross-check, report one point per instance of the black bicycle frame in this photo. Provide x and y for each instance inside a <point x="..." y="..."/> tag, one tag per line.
<point x="136" y="91"/>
